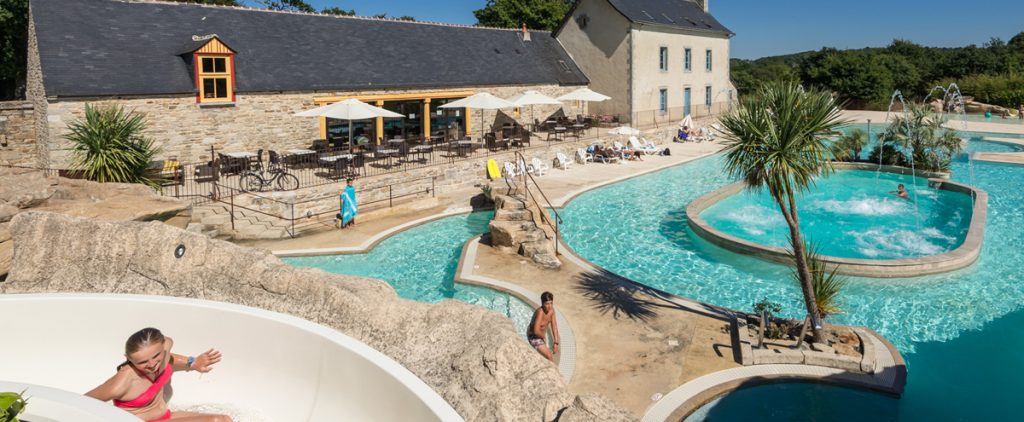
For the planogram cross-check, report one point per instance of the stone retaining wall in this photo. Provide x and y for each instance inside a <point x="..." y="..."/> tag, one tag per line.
<point x="18" y="141"/>
<point x="964" y="255"/>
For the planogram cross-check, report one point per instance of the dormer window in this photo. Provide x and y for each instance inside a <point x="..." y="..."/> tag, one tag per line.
<point x="215" y="79"/>
<point x="214" y="64"/>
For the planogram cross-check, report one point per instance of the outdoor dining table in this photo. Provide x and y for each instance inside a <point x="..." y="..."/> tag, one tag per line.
<point x="240" y="154"/>
<point x="301" y="151"/>
<point x="333" y="158"/>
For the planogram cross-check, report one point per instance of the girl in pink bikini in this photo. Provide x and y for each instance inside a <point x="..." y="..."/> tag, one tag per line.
<point x="138" y="385"/>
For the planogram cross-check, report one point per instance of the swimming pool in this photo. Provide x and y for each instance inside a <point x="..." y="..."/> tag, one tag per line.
<point x="956" y="330"/>
<point x="420" y="264"/>
<point x="854" y="214"/>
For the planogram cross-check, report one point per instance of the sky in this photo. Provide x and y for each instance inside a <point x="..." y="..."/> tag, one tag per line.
<point x="769" y="28"/>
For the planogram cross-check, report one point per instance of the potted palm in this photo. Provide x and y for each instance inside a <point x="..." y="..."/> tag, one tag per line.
<point x="11" y="405"/>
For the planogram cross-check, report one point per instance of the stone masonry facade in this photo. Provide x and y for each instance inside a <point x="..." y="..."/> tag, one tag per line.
<point x="185" y="131"/>
<point x="18" y="144"/>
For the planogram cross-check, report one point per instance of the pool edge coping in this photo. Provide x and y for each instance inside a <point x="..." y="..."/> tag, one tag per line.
<point x="464" y="275"/>
<point x="962" y="257"/>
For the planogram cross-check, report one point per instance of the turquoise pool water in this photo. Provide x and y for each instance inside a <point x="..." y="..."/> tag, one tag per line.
<point x="854" y="214"/>
<point x="420" y="264"/>
<point x="960" y="332"/>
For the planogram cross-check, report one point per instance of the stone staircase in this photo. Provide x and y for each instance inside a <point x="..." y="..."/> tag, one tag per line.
<point x="518" y="225"/>
<point x="214" y="220"/>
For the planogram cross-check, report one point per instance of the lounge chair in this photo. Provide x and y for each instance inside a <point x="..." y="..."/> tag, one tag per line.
<point x="539" y="167"/>
<point x="646" y="149"/>
<point x="523" y="168"/>
<point x="562" y="161"/>
<point x="510" y="170"/>
<point x="582" y="156"/>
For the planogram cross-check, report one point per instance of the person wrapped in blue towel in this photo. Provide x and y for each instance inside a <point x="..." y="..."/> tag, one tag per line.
<point x="349" y="206"/>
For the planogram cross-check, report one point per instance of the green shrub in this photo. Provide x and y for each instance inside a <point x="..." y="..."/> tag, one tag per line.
<point x="109" y="145"/>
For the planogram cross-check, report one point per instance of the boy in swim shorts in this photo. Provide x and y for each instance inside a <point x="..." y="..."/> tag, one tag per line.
<point x="543" y="317"/>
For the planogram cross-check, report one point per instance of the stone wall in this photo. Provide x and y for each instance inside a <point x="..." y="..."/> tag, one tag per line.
<point x="185" y="131"/>
<point x="18" y="143"/>
<point x="36" y="94"/>
<point x="471" y="356"/>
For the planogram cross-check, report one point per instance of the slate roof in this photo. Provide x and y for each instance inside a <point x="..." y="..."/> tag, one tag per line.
<point x="114" y="47"/>
<point x="684" y="14"/>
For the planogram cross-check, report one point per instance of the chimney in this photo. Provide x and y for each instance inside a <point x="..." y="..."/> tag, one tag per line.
<point x="526" y="34"/>
<point x="704" y="5"/>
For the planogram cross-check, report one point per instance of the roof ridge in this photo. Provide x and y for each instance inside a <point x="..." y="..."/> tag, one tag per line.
<point x="292" y="12"/>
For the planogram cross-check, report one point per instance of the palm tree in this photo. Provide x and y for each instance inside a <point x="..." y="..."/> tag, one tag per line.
<point x="774" y="141"/>
<point x="849" y="146"/>
<point x="827" y="285"/>
<point x="932" y="146"/>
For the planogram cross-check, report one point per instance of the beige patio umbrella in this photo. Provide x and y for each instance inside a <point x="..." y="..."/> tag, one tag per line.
<point x="350" y="109"/>
<point x="583" y="94"/>
<point x="532" y="98"/>
<point x="482" y="101"/>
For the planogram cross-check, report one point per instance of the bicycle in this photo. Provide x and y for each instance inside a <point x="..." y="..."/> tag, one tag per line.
<point x="252" y="181"/>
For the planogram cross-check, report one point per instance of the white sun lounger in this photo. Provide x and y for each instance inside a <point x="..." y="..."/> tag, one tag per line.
<point x="562" y="161"/>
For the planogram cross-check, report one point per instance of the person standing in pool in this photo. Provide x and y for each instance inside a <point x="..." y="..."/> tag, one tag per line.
<point x="901" y="191"/>
<point x="537" y="332"/>
<point x="349" y="206"/>
<point x="139" y="384"/>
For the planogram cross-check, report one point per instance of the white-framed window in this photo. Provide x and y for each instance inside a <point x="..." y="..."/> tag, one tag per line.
<point x="663" y="100"/>
<point x="687" y="60"/>
<point x="707" y="60"/>
<point x="663" y="59"/>
<point x="707" y="97"/>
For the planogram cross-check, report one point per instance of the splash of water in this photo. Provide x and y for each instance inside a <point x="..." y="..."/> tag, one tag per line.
<point x="881" y="242"/>
<point x="863" y="206"/>
<point x="897" y="95"/>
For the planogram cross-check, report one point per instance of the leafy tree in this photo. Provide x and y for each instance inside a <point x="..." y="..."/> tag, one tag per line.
<point x="215" y="2"/>
<point x="338" y="11"/>
<point x="857" y="77"/>
<point x="108" y="145"/>
<point x="773" y="142"/>
<point x="536" y="14"/>
<point x="406" y="18"/>
<point x="13" y="47"/>
<point x="289" y="5"/>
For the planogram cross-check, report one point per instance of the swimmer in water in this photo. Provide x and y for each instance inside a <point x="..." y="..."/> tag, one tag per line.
<point x="901" y="191"/>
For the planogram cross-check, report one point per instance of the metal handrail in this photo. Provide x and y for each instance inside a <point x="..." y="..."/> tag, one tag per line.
<point x="292" y="219"/>
<point x="527" y="177"/>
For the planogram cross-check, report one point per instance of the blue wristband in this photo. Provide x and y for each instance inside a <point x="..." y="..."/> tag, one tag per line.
<point x="191" y="360"/>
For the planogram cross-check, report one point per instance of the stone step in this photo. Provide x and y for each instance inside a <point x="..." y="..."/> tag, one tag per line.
<point x="508" y="202"/>
<point x="513" y="214"/>
<point x="542" y="252"/>
<point x="216" y="220"/>
<point x="259" y="232"/>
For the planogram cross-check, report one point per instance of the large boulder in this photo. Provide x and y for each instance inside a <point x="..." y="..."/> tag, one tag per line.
<point x="29" y="189"/>
<point x="471" y="356"/>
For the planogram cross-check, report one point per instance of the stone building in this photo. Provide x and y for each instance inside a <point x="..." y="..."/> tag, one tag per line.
<point x="231" y="78"/>
<point x="659" y="60"/>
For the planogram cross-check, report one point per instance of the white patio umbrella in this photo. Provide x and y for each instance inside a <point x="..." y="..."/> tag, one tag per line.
<point x="687" y="122"/>
<point x="583" y="94"/>
<point x="482" y="101"/>
<point x="624" y="130"/>
<point x="350" y="109"/>
<point x="531" y="98"/>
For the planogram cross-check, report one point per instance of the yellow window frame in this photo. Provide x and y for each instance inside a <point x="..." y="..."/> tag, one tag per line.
<point x="227" y="75"/>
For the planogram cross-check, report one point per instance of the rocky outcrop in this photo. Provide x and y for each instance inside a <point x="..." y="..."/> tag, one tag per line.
<point x="518" y="225"/>
<point x="28" y="189"/>
<point x="471" y="356"/>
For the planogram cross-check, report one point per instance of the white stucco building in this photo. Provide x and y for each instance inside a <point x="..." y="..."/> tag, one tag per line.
<point x="659" y="60"/>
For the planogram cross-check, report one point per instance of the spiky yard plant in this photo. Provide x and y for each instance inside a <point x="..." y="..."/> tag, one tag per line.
<point x="931" y="146"/>
<point x="773" y="142"/>
<point x="826" y="282"/>
<point x="109" y="145"/>
<point x="849" y="146"/>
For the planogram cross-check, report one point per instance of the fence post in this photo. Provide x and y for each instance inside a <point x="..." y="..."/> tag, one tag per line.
<point x="390" y="200"/>
<point x="764" y="326"/>
<point x="293" y="218"/>
<point x="433" y="188"/>
<point x="232" y="212"/>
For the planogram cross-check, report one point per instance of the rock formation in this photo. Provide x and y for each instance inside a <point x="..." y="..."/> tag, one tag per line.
<point x="471" y="356"/>
<point x="519" y="226"/>
<point x="29" y="189"/>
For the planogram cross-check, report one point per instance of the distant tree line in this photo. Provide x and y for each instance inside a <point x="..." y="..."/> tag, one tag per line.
<point x="866" y="78"/>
